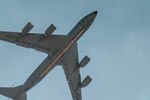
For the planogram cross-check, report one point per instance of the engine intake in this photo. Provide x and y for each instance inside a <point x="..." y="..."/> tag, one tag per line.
<point x="86" y="81"/>
<point x="50" y="30"/>
<point x="84" y="61"/>
<point x="27" y="28"/>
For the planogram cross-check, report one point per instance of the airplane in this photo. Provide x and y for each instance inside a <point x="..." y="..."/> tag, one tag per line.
<point x="61" y="49"/>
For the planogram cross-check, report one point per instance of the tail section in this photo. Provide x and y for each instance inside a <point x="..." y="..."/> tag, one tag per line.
<point x="12" y="92"/>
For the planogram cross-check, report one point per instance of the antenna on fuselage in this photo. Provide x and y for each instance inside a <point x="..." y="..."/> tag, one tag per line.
<point x="13" y="85"/>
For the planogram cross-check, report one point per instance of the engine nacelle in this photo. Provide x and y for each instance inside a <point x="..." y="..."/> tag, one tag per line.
<point x="86" y="81"/>
<point x="27" y="28"/>
<point x="50" y="30"/>
<point x="84" y="61"/>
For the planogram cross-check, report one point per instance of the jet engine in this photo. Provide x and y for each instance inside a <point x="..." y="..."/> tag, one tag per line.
<point x="86" y="81"/>
<point x="50" y="30"/>
<point x="84" y="61"/>
<point x="27" y="28"/>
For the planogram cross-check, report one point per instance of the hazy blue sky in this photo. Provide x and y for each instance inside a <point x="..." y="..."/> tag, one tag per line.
<point x="117" y="43"/>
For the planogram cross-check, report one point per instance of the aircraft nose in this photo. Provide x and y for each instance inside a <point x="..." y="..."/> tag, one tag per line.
<point x="95" y="12"/>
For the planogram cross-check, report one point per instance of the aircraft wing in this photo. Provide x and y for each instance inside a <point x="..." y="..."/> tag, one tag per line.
<point x="70" y="65"/>
<point x="48" y="44"/>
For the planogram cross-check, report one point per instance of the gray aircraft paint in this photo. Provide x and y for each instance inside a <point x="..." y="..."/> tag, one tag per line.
<point x="54" y="58"/>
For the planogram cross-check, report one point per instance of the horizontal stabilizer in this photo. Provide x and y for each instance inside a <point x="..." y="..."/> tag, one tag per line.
<point x="86" y="81"/>
<point x="10" y="92"/>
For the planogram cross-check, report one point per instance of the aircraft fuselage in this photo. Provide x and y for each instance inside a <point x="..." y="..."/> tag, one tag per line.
<point x="55" y="59"/>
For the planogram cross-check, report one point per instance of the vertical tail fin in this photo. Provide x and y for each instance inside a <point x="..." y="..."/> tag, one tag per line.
<point x="12" y="92"/>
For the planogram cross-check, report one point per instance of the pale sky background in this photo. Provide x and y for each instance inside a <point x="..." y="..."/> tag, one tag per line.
<point x="117" y="43"/>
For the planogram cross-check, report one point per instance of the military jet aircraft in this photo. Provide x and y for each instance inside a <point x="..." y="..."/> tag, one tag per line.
<point x="61" y="50"/>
